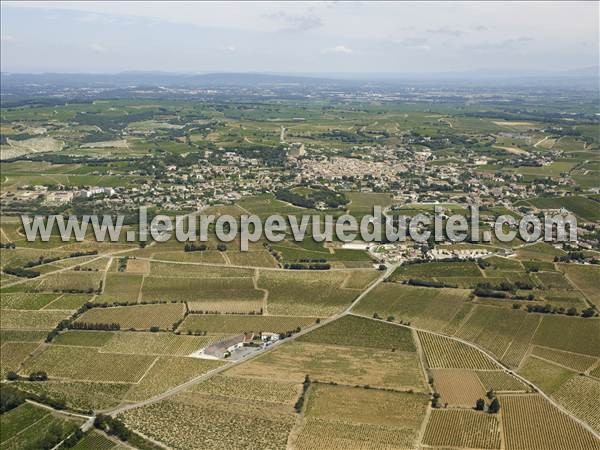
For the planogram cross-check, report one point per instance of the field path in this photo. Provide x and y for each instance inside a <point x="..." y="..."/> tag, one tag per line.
<point x="540" y="141"/>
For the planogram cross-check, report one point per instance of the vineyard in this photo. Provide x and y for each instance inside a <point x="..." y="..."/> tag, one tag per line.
<point x="87" y="364"/>
<point x="31" y="320"/>
<point x="306" y="293"/>
<point x="344" y="365"/>
<point x="569" y="334"/>
<point x="580" y="395"/>
<point x="265" y="390"/>
<point x="231" y="323"/>
<point x="462" y="428"/>
<point x="195" y="289"/>
<point x="22" y="300"/>
<point x="457" y="387"/>
<point x="168" y="372"/>
<point x="155" y="343"/>
<point x="362" y="332"/>
<point x="227" y="306"/>
<point x="12" y="354"/>
<point x="500" y="381"/>
<point x="95" y="441"/>
<point x="82" y="395"/>
<point x="139" y="317"/>
<point x="121" y="287"/>
<point x="530" y="422"/>
<point x="579" y="363"/>
<point x="423" y="307"/>
<point x="345" y="417"/>
<point x="83" y="338"/>
<point x="521" y="340"/>
<point x="442" y="352"/>
<point x="324" y="435"/>
<point x="196" y="421"/>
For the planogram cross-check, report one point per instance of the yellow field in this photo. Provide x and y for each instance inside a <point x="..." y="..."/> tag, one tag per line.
<point x="462" y="428"/>
<point x="457" y="387"/>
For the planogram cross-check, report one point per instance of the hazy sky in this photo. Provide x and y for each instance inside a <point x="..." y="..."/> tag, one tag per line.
<point x="299" y="37"/>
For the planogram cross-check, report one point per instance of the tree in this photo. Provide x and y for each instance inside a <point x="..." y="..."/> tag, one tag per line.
<point x="494" y="406"/>
<point x="480" y="404"/>
<point x="12" y="376"/>
<point x="221" y="247"/>
<point x="490" y="394"/>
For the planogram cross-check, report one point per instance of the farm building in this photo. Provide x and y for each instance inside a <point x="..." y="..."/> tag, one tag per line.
<point x="219" y="349"/>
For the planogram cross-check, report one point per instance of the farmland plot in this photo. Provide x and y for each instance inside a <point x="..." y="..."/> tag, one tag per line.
<point x="306" y="293"/>
<point x="572" y="334"/>
<point x="227" y="306"/>
<point x="234" y="323"/>
<point x="69" y="280"/>
<point x="364" y="414"/>
<point x="530" y="422"/>
<point x="463" y="429"/>
<point x="500" y="381"/>
<point x="121" y="287"/>
<point x="442" y="352"/>
<point x="585" y="278"/>
<point x="82" y="395"/>
<point x="161" y="269"/>
<point x="521" y="340"/>
<point x="12" y="354"/>
<point x="195" y="289"/>
<point x="362" y="332"/>
<point x="22" y="336"/>
<point x="424" y="307"/>
<point x="580" y="395"/>
<point x="83" y="338"/>
<point x="492" y="328"/>
<point x="139" y="317"/>
<point x="196" y="421"/>
<point x="31" y="320"/>
<point x="154" y="343"/>
<point x="255" y="389"/>
<point x="168" y="372"/>
<point x="549" y="377"/>
<point x="22" y="300"/>
<point x="573" y="361"/>
<point x="87" y="364"/>
<point x="344" y="365"/>
<point x="457" y="387"/>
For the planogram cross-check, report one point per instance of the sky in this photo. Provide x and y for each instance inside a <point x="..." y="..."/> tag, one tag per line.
<point x="299" y="37"/>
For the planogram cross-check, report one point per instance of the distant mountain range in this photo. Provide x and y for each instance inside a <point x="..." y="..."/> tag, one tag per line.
<point x="585" y="77"/>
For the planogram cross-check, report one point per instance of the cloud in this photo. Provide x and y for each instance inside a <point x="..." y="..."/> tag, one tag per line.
<point x="413" y="43"/>
<point x="480" y="28"/>
<point x="295" y="22"/>
<point x="230" y="48"/>
<point x="507" y="44"/>
<point x="447" y="31"/>
<point x="339" y="49"/>
<point x="97" y="48"/>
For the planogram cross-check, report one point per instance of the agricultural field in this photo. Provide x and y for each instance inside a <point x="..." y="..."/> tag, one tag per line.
<point x="352" y="417"/>
<point x="153" y="343"/>
<point x="569" y="334"/>
<point x="573" y="361"/>
<point x="251" y="389"/>
<point x="306" y="293"/>
<point x="344" y="365"/>
<point x="457" y="387"/>
<point x="426" y="308"/>
<point x="236" y="323"/>
<point x="139" y="317"/>
<point x="88" y="364"/>
<point x="579" y="395"/>
<point x="362" y="332"/>
<point x="445" y="353"/>
<point x="80" y="395"/>
<point x="29" y="426"/>
<point x="31" y="320"/>
<point x="530" y="422"/>
<point x="193" y="420"/>
<point x="168" y="372"/>
<point x="459" y="428"/>
<point x="584" y="278"/>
